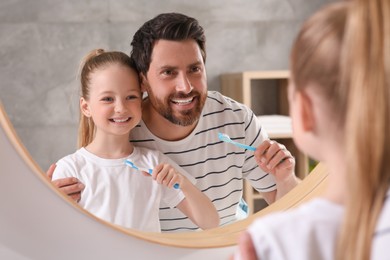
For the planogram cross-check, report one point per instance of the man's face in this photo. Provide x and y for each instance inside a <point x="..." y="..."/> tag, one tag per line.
<point x="176" y="81"/>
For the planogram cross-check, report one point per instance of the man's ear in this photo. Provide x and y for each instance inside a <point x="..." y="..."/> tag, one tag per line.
<point x="84" y="107"/>
<point x="307" y="112"/>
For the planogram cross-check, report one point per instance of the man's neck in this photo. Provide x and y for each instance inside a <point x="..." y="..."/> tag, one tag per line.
<point x="163" y="128"/>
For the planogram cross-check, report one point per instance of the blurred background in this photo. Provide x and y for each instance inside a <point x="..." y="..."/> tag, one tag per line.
<point x="43" y="41"/>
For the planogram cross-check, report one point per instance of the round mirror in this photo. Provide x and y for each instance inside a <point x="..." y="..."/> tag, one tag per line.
<point x="42" y="44"/>
<point x="30" y="208"/>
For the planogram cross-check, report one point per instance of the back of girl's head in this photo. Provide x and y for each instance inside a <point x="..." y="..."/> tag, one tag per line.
<point x="315" y="55"/>
<point x="93" y="62"/>
<point x="344" y="49"/>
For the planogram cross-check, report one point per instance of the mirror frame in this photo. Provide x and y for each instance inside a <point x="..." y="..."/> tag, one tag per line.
<point x="312" y="186"/>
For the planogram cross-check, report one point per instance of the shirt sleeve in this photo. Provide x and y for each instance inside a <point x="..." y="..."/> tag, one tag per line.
<point x="255" y="134"/>
<point x="62" y="170"/>
<point x="172" y="197"/>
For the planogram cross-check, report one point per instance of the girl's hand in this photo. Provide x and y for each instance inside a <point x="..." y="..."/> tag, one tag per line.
<point x="166" y="175"/>
<point x="246" y="249"/>
<point x="275" y="159"/>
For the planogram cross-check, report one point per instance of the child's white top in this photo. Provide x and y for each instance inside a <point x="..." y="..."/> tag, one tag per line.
<point x="310" y="232"/>
<point x="381" y="241"/>
<point x="117" y="193"/>
<point x="305" y="233"/>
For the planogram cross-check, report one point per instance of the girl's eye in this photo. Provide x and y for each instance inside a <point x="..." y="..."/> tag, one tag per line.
<point x="132" y="97"/>
<point x="107" y="99"/>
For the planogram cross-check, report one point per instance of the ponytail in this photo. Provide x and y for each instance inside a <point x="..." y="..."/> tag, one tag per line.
<point x="86" y="124"/>
<point x="365" y="70"/>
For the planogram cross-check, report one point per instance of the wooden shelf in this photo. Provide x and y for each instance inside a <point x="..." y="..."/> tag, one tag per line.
<point x="242" y="87"/>
<point x="277" y="126"/>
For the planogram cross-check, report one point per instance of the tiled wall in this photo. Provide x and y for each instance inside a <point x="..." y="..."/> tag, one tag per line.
<point x="42" y="42"/>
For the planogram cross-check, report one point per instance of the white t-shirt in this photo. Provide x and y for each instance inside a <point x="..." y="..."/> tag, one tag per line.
<point x="219" y="168"/>
<point x="117" y="193"/>
<point x="381" y="241"/>
<point x="305" y="233"/>
<point x="310" y="232"/>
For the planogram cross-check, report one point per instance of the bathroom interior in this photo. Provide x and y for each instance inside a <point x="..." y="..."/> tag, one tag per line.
<point x="41" y="45"/>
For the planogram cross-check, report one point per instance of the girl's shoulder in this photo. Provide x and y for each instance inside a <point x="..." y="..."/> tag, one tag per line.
<point x="381" y="238"/>
<point x="312" y="212"/>
<point x="69" y="165"/>
<point x="145" y="157"/>
<point x="74" y="158"/>
<point x="288" y="234"/>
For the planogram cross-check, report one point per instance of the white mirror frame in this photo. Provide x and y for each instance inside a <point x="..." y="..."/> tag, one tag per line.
<point x="35" y="224"/>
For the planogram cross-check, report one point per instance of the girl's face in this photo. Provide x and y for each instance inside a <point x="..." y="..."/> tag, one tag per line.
<point x="115" y="100"/>
<point x="313" y="126"/>
<point x="302" y="120"/>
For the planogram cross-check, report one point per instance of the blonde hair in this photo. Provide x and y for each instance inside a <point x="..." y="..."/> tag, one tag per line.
<point x="366" y="70"/>
<point x="93" y="61"/>
<point x="315" y="55"/>
<point x="345" y="50"/>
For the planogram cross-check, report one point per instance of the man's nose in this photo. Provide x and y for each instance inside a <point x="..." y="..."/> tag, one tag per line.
<point x="183" y="84"/>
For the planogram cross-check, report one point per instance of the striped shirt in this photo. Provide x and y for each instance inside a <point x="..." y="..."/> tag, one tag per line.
<point x="218" y="167"/>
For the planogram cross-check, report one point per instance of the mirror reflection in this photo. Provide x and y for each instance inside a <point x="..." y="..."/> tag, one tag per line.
<point x="41" y="91"/>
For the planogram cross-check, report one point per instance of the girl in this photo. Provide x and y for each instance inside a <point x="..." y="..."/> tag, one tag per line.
<point x="340" y="105"/>
<point x="110" y="106"/>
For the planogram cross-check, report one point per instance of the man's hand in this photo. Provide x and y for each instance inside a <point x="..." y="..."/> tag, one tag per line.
<point x="70" y="186"/>
<point x="275" y="159"/>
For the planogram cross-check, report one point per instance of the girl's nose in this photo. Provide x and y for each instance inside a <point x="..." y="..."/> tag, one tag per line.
<point x="119" y="106"/>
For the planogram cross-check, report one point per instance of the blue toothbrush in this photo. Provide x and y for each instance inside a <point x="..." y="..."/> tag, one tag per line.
<point x="226" y="138"/>
<point x="150" y="171"/>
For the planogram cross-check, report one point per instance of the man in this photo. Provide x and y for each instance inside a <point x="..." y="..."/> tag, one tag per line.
<point x="182" y="120"/>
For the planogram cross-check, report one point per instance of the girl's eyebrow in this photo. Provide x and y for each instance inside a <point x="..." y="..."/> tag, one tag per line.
<point x="106" y="92"/>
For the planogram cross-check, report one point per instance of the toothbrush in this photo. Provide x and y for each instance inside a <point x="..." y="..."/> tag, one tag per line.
<point x="226" y="138"/>
<point x="150" y="171"/>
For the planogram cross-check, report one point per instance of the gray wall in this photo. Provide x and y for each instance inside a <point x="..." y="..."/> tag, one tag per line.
<point x="42" y="42"/>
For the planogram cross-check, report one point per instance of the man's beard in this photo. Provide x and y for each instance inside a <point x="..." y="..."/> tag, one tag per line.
<point x="185" y="117"/>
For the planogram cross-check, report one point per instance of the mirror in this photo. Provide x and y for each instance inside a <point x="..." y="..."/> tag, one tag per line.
<point x="17" y="165"/>
<point x="42" y="44"/>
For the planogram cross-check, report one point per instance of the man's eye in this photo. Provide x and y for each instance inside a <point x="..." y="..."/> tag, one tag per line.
<point x="195" y="69"/>
<point x="168" y="72"/>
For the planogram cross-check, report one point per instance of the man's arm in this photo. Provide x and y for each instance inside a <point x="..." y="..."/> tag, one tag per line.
<point x="70" y="186"/>
<point x="275" y="159"/>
